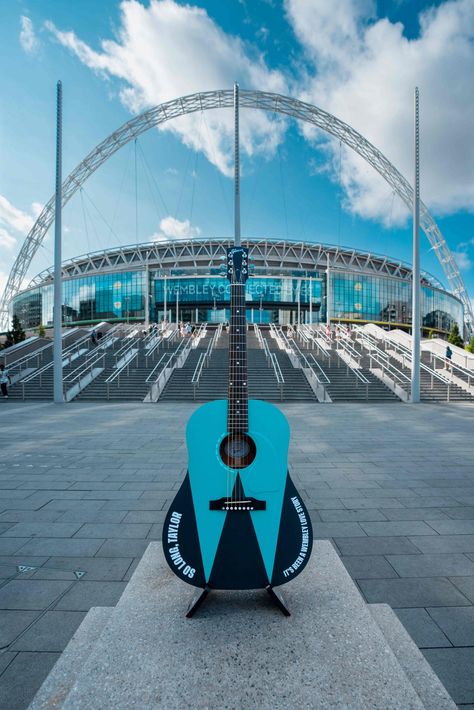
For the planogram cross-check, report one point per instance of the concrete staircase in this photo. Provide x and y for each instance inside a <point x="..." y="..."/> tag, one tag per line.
<point x="431" y="389"/>
<point x="344" y="385"/>
<point x="213" y="382"/>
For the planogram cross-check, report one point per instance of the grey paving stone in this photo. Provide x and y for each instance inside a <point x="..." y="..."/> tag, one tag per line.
<point x="95" y="516"/>
<point x="357" y="503"/>
<point x="421" y="627"/>
<point x="429" y="565"/>
<point x="13" y="623"/>
<point x="42" y="530"/>
<point x="453" y="527"/>
<point x="327" y="530"/>
<point x="461" y="513"/>
<point x="431" y="502"/>
<point x="10" y="545"/>
<point x="455" y="668"/>
<point x="121" y="548"/>
<point x="341" y="516"/>
<point x="96" y="568"/>
<point x="369" y="567"/>
<point x="29" y="516"/>
<point x="145" y="516"/>
<point x="51" y="632"/>
<point x="30" y="593"/>
<point x="22" y="678"/>
<point x="465" y="585"/>
<point x="61" y="547"/>
<point x="399" y="527"/>
<point x="435" y="591"/>
<point x="113" y="530"/>
<point x="376" y="546"/>
<point x="86" y="594"/>
<point x="5" y="659"/>
<point x="324" y="504"/>
<point x="456" y="622"/>
<point x="414" y="513"/>
<point x="444" y="543"/>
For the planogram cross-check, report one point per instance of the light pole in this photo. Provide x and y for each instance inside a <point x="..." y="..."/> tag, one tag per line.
<point x="328" y="293"/>
<point x="415" y="324"/>
<point x="261" y="308"/>
<point x="310" y="300"/>
<point x="147" y="295"/>
<point x="58" y="392"/>
<point x="127" y="313"/>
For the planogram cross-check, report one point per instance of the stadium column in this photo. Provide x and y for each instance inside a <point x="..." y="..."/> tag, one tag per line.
<point x="57" y="307"/>
<point x="147" y="295"/>
<point x="416" y="321"/>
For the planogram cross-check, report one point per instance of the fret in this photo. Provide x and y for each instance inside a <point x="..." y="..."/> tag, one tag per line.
<point x="237" y="418"/>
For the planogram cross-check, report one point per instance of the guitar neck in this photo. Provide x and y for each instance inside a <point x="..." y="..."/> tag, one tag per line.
<point x="237" y="413"/>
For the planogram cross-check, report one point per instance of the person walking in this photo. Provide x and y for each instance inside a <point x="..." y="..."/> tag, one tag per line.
<point x="448" y="356"/>
<point x="94" y="338"/>
<point x="4" y="381"/>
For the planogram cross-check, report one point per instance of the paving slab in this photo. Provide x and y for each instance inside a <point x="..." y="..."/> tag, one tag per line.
<point x="422" y="628"/>
<point x="419" y="592"/>
<point x="443" y="565"/>
<point x="456" y="623"/>
<point x="455" y="668"/>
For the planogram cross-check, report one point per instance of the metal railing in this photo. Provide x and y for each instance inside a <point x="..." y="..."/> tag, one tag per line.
<point x="198" y="372"/>
<point x="404" y="354"/>
<point x="165" y="367"/>
<point x="462" y="372"/>
<point x="313" y="370"/>
<point x="67" y="356"/>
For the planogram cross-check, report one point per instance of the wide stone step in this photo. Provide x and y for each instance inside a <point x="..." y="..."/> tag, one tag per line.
<point x="335" y="650"/>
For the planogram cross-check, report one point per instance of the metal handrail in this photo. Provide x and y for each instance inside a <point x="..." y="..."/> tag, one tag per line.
<point x="169" y="356"/>
<point x="197" y="373"/>
<point x="91" y="365"/>
<point x="381" y="358"/>
<point x="311" y="334"/>
<point x="452" y="366"/>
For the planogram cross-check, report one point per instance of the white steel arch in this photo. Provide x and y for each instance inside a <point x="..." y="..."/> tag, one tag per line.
<point x="221" y="99"/>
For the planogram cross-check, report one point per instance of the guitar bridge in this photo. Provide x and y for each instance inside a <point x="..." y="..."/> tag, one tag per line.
<point x="232" y="504"/>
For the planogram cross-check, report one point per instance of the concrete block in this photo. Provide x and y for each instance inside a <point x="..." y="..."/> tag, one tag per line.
<point x="59" y="682"/>
<point x="231" y="654"/>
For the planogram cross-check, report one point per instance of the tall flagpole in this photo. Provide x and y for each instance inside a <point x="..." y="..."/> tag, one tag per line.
<point x="236" y="168"/>
<point x="57" y="307"/>
<point x="415" y="310"/>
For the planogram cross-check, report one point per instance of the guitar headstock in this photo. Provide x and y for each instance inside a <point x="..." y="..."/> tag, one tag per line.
<point x="237" y="264"/>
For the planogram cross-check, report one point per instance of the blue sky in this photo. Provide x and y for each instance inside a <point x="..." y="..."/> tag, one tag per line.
<point x="359" y="60"/>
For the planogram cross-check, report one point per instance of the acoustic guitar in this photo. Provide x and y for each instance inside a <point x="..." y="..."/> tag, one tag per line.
<point x="237" y="521"/>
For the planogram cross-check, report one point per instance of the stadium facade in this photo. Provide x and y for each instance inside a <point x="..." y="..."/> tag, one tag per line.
<point x="289" y="281"/>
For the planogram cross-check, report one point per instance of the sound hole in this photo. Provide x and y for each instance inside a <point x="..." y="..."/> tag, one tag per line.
<point x="237" y="450"/>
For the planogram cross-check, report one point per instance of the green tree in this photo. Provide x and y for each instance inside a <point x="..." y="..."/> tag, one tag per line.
<point x="41" y="331"/>
<point x="470" y="346"/>
<point x="16" y="334"/>
<point x="455" y="337"/>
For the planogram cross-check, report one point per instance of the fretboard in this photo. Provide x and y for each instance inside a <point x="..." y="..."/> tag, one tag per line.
<point x="237" y="414"/>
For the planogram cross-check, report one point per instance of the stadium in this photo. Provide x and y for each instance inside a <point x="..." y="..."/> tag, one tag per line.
<point x="291" y="282"/>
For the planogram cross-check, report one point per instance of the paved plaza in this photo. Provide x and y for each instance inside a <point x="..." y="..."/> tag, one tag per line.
<point x="85" y="487"/>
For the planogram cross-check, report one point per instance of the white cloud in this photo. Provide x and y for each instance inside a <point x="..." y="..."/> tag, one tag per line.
<point x="14" y="218"/>
<point x="28" y="39"/>
<point x="463" y="260"/>
<point x="6" y="239"/>
<point x="365" y="71"/>
<point x="172" y="228"/>
<point x="167" y="50"/>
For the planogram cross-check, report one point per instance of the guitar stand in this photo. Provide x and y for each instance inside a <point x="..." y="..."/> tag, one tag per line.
<point x="278" y="600"/>
<point x="198" y="599"/>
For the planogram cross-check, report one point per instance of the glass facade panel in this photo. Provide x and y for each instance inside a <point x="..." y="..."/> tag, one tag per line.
<point x="354" y="296"/>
